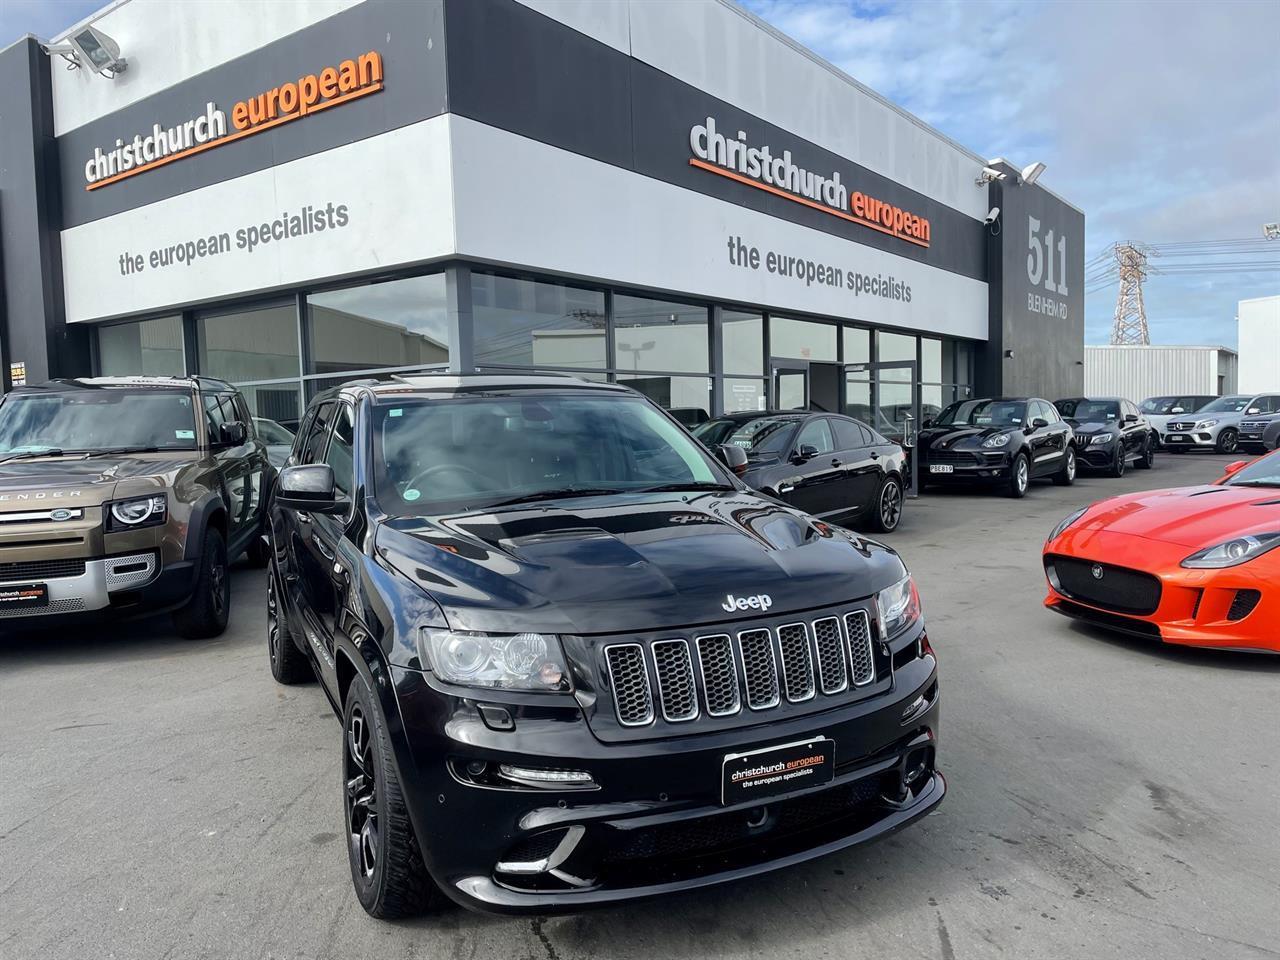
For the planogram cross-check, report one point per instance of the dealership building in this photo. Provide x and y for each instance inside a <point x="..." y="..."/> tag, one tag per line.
<point x="672" y="196"/>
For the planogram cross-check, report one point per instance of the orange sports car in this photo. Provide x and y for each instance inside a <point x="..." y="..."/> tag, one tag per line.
<point x="1194" y="565"/>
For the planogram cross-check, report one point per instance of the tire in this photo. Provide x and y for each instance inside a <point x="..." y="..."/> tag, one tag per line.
<point x="1148" y="458"/>
<point x="1119" y="464"/>
<point x="1019" y="477"/>
<point x="205" y="614"/>
<point x="1067" y="475"/>
<point x="289" y="665"/>
<point x="1228" y="440"/>
<point x="387" y="871"/>
<point x="886" y="513"/>
<point x="259" y="552"/>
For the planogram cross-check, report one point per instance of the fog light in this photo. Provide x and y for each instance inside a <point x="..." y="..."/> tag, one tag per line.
<point x="476" y="768"/>
<point x="538" y="777"/>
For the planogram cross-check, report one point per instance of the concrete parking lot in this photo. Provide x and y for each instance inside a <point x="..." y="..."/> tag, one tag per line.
<point x="1108" y="798"/>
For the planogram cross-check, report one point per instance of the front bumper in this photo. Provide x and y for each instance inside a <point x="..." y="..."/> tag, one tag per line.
<point x="117" y="585"/>
<point x="1190" y="440"/>
<point x="1099" y="457"/>
<point x="986" y="466"/>
<point x="654" y="823"/>
<point x="1202" y="608"/>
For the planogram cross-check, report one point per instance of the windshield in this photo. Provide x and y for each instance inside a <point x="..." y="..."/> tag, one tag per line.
<point x="983" y="413"/>
<point x="759" y="436"/>
<point x="98" y="421"/>
<point x="434" y="455"/>
<point x="1090" y="411"/>
<point x="1159" y="405"/>
<point x="1226" y="405"/>
<point x="1263" y="472"/>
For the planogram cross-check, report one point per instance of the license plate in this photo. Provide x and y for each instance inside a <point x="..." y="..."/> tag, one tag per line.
<point x="775" y="770"/>
<point x="941" y="468"/>
<point x="1177" y="437"/>
<point x="16" y="596"/>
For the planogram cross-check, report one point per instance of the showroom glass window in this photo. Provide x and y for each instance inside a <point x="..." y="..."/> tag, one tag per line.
<point x="802" y="339"/>
<point x="150" y="348"/>
<point x="742" y="360"/>
<point x="256" y="349"/>
<point x="397" y="323"/>
<point x="529" y="323"/>
<point x="659" y="335"/>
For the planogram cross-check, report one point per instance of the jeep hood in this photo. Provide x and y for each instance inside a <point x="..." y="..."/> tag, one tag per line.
<point x="79" y="481"/>
<point x="627" y="563"/>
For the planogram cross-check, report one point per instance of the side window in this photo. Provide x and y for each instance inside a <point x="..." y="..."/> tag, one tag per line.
<point x="214" y="414"/>
<point x="316" y="436"/>
<point x="816" y="433"/>
<point x="849" y="435"/>
<point x="339" y="455"/>
<point x="1042" y="411"/>
<point x="295" y="455"/>
<point x="241" y="411"/>
<point x="1272" y="404"/>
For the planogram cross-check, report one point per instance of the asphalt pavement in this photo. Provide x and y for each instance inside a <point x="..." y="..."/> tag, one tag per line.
<point x="1108" y="797"/>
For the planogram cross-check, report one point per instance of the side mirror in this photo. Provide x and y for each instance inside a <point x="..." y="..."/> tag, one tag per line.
<point x="1130" y="418"/>
<point x="232" y="434"/>
<point x="308" y="487"/>
<point x="1177" y="410"/>
<point x="1236" y="467"/>
<point x="1039" y="423"/>
<point x="1252" y="410"/>
<point x="928" y="422"/>
<point x="807" y="451"/>
<point x="733" y="457"/>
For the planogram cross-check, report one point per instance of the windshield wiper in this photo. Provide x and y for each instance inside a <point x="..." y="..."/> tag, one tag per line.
<point x="1255" y="483"/>
<point x="687" y="485"/>
<point x="114" y="451"/>
<point x="46" y="452"/>
<point x="561" y="493"/>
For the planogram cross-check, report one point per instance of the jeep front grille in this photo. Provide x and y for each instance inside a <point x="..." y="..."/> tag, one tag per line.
<point x="758" y="667"/>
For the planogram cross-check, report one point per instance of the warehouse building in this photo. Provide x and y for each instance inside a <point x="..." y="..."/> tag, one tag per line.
<point x="1138" y="372"/>
<point x="668" y="195"/>
<point x="1259" y="337"/>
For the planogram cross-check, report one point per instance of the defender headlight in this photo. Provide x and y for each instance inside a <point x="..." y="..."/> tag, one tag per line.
<point x="507" y="661"/>
<point x="136" y="513"/>
<point x="1233" y="552"/>
<point x="1206" y="424"/>
<point x="1101" y="438"/>
<point x="999" y="440"/>
<point x="1066" y="522"/>
<point x="899" y="607"/>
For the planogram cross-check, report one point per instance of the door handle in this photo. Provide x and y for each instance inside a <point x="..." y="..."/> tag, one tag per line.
<point x="874" y="455"/>
<point x="322" y="549"/>
<point x="837" y="462"/>
<point x="303" y="517"/>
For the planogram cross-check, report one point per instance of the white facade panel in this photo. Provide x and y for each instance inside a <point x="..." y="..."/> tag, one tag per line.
<point x="401" y="215"/>
<point x="514" y="197"/>
<point x="719" y="48"/>
<point x="1259" y="338"/>
<point x="1138" y="372"/>
<point x="167" y="42"/>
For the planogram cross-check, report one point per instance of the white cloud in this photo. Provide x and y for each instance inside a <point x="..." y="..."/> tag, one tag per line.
<point x="1160" y="120"/>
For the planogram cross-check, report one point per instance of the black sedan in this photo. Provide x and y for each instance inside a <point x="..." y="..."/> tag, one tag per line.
<point x="830" y="466"/>
<point x="1110" y="433"/>
<point x="1005" y="442"/>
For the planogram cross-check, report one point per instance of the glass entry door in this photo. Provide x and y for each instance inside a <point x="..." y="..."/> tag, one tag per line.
<point x="886" y="397"/>
<point x="790" y="384"/>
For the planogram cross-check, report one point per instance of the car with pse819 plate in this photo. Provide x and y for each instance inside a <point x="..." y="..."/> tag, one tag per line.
<point x="576" y="660"/>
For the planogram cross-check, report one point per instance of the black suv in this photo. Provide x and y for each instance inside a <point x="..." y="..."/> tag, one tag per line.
<point x="576" y="660"/>
<point x="1005" y="442"/>
<point x="1110" y="433"/>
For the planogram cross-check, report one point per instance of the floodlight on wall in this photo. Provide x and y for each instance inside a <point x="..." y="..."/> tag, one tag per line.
<point x="1271" y="231"/>
<point x="1031" y="173"/>
<point x="90" y="47"/>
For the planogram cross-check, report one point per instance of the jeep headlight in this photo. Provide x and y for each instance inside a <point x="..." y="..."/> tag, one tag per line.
<point x="136" y="513"/>
<point x="507" y="661"/>
<point x="999" y="440"/>
<point x="1206" y="424"/>
<point x="899" y="607"/>
<point x="1233" y="552"/>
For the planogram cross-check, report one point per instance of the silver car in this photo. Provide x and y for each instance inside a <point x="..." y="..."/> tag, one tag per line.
<point x="1160" y="410"/>
<point x="1260" y="434"/>
<point x="1216" y="426"/>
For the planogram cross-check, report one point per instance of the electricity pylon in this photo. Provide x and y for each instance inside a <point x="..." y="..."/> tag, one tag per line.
<point x="1130" y="325"/>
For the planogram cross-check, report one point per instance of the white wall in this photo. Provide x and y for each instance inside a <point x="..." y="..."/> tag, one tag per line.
<point x="720" y="48"/>
<point x="167" y="41"/>
<point x="1259" y="332"/>
<point x="1139" y="372"/>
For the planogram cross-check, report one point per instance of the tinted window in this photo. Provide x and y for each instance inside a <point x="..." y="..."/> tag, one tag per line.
<point x="759" y="436"/>
<point x="816" y="433"/>
<point x="317" y="434"/>
<point x="215" y="415"/>
<point x="95" y="420"/>
<point x="1092" y="411"/>
<point x="1235" y="404"/>
<point x="984" y="413"/>
<point x="1163" y="405"/>
<point x="849" y="434"/>
<point x="339" y="455"/>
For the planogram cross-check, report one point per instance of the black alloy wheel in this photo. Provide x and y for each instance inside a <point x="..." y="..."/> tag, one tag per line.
<point x="361" y="777"/>
<point x="288" y="664"/>
<point x="1148" y="458"/>
<point x="888" y="511"/>
<point x="1118" y="463"/>
<point x="1228" y="440"/>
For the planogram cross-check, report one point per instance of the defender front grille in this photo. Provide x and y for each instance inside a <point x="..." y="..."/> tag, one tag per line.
<point x="40" y="570"/>
<point x="758" y="667"/>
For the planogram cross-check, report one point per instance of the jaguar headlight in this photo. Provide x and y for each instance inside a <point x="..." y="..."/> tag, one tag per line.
<point x="506" y="661"/>
<point x="1233" y="552"/>
<point x="136" y="513"/>
<point x="999" y="440"/>
<point x="899" y="607"/>
<point x="1066" y="522"/>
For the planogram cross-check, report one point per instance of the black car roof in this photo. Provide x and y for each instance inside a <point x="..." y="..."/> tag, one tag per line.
<point x="399" y="387"/>
<point x="207" y="384"/>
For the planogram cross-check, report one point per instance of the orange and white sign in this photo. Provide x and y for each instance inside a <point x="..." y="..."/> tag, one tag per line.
<point x="330" y="87"/>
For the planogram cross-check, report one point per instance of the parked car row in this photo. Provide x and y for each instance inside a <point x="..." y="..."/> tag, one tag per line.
<point x="1222" y="424"/>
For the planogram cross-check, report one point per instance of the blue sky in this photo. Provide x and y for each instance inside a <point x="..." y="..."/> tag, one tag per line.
<point x="1160" y="119"/>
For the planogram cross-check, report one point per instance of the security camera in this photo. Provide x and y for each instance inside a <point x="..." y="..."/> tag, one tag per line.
<point x="989" y="174"/>
<point x="91" y="47"/>
<point x="1031" y="172"/>
<point x="992" y="216"/>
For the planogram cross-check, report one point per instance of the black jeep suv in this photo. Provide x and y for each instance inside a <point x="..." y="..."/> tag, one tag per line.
<point x="575" y="659"/>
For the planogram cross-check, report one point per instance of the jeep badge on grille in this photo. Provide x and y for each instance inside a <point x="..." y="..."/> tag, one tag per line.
<point x="761" y="601"/>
